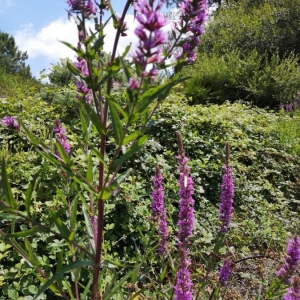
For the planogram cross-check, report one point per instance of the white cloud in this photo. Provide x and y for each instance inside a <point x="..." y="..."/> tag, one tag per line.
<point x="45" y="42"/>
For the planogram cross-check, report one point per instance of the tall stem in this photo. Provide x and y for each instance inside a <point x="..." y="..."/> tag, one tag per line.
<point x="100" y="206"/>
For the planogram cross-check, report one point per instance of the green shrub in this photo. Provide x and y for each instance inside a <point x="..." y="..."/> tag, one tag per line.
<point x="253" y="78"/>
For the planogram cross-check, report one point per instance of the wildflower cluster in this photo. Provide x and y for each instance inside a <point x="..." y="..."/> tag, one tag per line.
<point x="159" y="211"/>
<point x="293" y="292"/>
<point x="191" y="23"/>
<point x="60" y="135"/>
<point x="150" y="34"/>
<point x="225" y="273"/>
<point x="10" y="122"/>
<point x="227" y="193"/>
<point x="82" y="91"/>
<point x="86" y="7"/>
<point x="183" y="286"/>
<point x="291" y="260"/>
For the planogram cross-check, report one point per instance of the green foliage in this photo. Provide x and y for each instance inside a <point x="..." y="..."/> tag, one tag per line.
<point x="250" y="52"/>
<point x="269" y="26"/>
<point x="12" y="60"/>
<point x="252" y="77"/>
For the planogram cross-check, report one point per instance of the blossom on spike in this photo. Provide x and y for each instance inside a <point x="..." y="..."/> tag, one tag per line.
<point x="83" y="92"/>
<point x="291" y="260"/>
<point x="225" y="273"/>
<point x="227" y="193"/>
<point x="183" y="286"/>
<point x="191" y="26"/>
<point x="60" y="135"/>
<point x="150" y="34"/>
<point x="159" y="211"/>
<point x="293" y="292"/>
<point x="10" y="122"/>
<point x="86" y="7"/>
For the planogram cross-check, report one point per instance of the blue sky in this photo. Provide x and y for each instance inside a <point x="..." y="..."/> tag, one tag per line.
<point x="38" y="25"/>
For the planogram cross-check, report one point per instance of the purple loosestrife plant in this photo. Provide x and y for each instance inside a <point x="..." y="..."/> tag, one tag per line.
<point x="183" y="286"/>
<point x="159" y="211"/>
<point x="150" y="34"/>
<point x="227" y="193"/>
<point x="291" y="260"/>
<point x="10" y="122"/>
<point x="191" y="26"/>
<point x="60" y="135"/>
<point x="293" y="292"/>
<point x="225" y="273"/>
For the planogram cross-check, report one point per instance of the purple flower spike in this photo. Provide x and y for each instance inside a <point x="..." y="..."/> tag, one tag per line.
<point x="82" y="91"/>
<point x="159" y="211"/>
<point x="86" y="7"/>
<point x="191" y="25"/>
<point x="10" y="122"/>
<point x="225" y="273"/>
<point x="183" y="287"/>
<point x="150" y="34"/>
<point x="293" y="292"/>
<point x="291" y="260"/>
<point x="60" y="135"/>
<point x="227" y="193"/>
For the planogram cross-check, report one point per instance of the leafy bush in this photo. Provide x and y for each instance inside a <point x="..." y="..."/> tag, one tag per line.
<point x="253" y="78"/>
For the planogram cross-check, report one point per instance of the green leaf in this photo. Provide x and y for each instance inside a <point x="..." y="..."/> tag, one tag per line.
<point x="133" y="136"/>
<point x="116" y="122"/>
<point x="28" y="195"/>
<point x="62" y="228"/>
<point x="152" y="94"/>
<point x="89" y="172"/>
<point x="60" y="274"/>
<point x="89" y="228"/>
<point x="132" y="149"/>
<point x="99" y="156"/>
<point x="73" y="69"/>
<point x="23" y="233"/>
<point x="7" y="192"/>
<point x="95" y="119"/>
<point x="73" y="216"/>
<point x="99" y="43"/>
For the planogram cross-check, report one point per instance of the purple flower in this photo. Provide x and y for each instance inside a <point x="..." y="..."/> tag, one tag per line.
<point x="291" y="260"/>
<point x="184" y="284"/>
<point x="86" y="7"/>
<point x="293" y="292"/>
<point x="191" y="25"/>
<point x="10" y="122"/>
<point x="82" y="91"/>
<point x="60" y="135"/>
<point x="227" y="193"/>
<point x="159" y="211"/>
<point x="289" y="107"/>
<point x="281" y="106"/>
<point x="150" y="34"/>
<point x="225" y="273"/>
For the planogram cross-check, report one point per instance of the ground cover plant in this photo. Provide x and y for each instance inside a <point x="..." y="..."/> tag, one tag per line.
<point x="77" y="202"/>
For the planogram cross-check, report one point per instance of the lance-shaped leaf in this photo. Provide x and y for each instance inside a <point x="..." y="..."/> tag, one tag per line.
<point x="23" y="233"/>
<point x="60" y="274"/>
<point x="135" y="147"/>
<point x="116" y="122"/>
<point x="7" y="192"/>
<point x="95" y="119"/>
<point x="28" y="195"/>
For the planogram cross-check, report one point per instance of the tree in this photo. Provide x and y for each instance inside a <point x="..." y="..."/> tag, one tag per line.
<point x="12" y="60"/>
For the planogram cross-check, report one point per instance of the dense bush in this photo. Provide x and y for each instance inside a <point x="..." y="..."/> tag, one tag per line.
<point x="253" y="77"/>
<point x="250" y="51"/>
